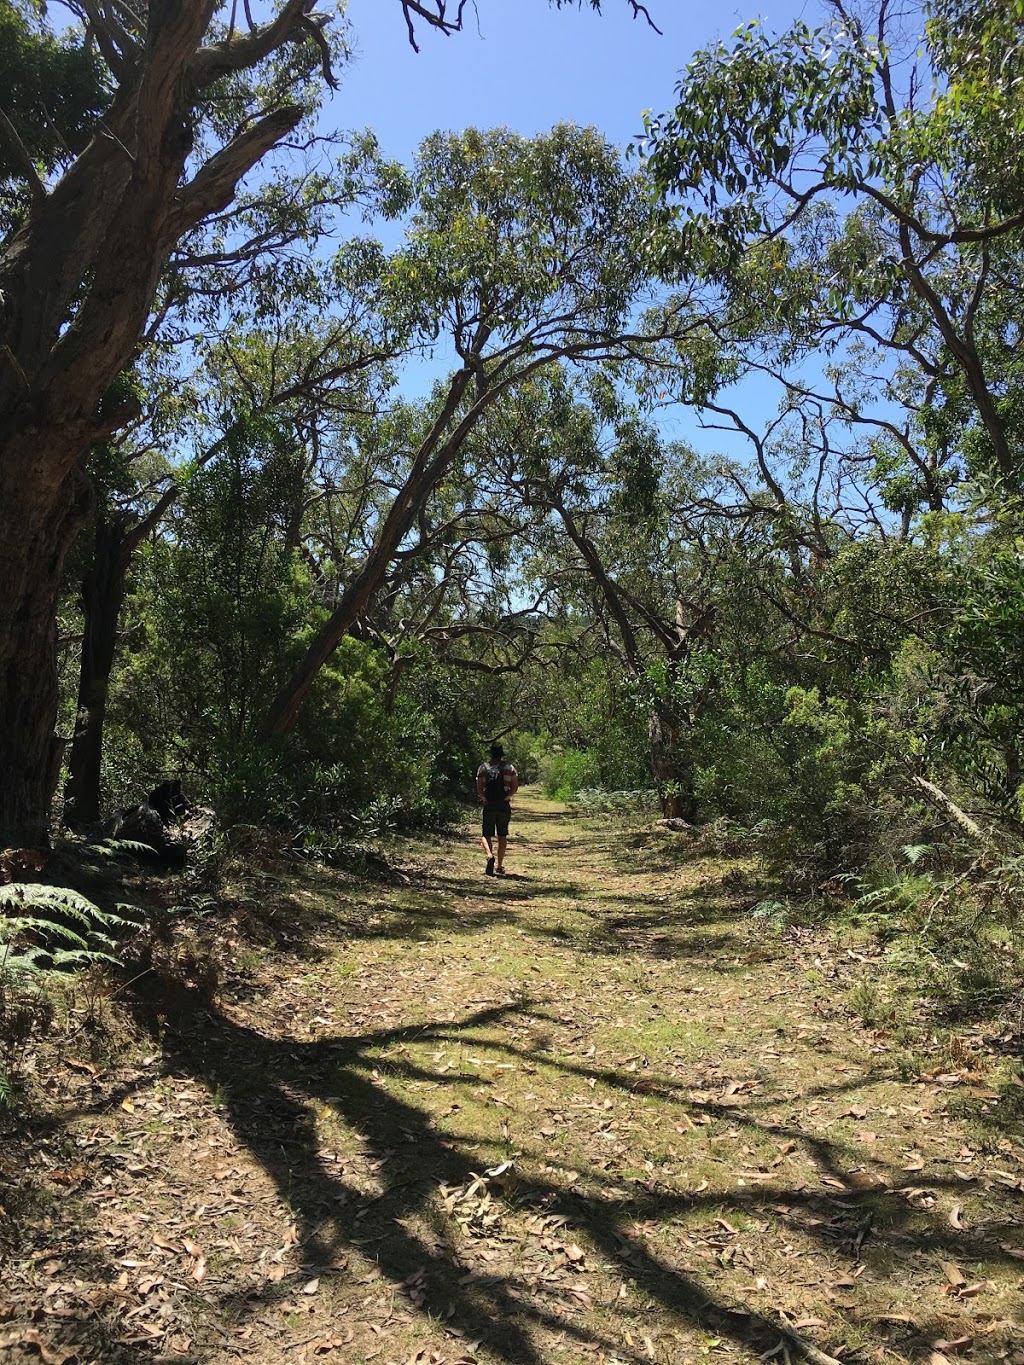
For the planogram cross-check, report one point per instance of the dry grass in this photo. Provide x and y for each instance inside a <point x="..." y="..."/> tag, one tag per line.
<point x="696" y="1148"/>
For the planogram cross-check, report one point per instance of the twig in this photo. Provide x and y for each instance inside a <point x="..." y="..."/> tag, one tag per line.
<point x="806" y="1349"/>
<point x="960" y="816"/>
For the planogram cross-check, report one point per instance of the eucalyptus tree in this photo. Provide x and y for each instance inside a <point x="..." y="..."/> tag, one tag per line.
<point x="521" y="253"/>
<point x="80" y="263"/>
<point x="874" y="195"/>
<point x="182" y="102"/>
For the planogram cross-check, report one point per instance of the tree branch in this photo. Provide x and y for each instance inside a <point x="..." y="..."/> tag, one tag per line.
<point x="23" y="159"/>
<point x="213" y="187"/>
<point x="240" y="53"/>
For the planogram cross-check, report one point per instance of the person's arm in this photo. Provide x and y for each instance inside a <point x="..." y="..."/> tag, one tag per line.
<point x="511" y="781"/>
<point x="481" y="786"/>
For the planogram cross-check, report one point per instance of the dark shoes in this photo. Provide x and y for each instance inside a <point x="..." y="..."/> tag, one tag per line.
<point x="489" y="869"/>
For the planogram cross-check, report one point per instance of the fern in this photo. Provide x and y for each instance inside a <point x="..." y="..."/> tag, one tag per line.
<point x="114" y="848"/>
<point x="35" y="934"/>
<point x="45" y="931"/>
<point x="915" y="852"/>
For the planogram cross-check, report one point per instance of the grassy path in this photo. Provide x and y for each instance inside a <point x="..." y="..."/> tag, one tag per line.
<point x="588" y="1113"/>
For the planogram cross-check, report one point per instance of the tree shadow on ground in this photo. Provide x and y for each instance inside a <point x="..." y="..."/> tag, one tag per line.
<point x="272" y="1088"/>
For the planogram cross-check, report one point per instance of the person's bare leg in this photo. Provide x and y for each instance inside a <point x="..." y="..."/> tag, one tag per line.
<point x="502" y="845"/>
<point x="486" y="845"/>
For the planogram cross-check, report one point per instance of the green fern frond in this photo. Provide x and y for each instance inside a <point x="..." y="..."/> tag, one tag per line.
<point x="915" y="852"/>
<point x="17" y="926"/>
<point x="54" y="898"/>
<point x="36" y="943"/>
<point x="114" y="848"/>
<point x="69" y="959"/>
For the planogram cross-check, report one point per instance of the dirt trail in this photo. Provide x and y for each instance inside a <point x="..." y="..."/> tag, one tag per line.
<point x="588" y="1113"/>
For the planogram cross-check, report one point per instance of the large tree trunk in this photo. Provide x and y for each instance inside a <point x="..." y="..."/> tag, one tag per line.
<point x="102" y="595"/>
<point x="673" y="775"/>
<point x="32" y="550"/>
<point x="77" y="280"/>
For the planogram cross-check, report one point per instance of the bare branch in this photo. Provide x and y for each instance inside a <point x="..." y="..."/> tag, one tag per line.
<point x="239" y="53"/>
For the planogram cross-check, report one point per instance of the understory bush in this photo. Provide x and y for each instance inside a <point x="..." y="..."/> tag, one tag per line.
<point x="952" y="921"/>
<point x="45" y="932"/>
<point x="567" y="771"/>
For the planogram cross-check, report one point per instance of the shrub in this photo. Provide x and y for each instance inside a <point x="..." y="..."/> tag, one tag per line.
<point x="44" y="931"/>
<point x="567" y="771"/>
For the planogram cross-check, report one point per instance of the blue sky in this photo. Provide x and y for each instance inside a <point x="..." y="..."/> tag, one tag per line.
<point x="527" y="65"/>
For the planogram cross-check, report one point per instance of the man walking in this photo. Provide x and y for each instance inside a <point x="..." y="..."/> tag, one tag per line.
<point x="496" y="783"/>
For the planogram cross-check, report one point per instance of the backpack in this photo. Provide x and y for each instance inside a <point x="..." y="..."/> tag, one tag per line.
<point x="494" y="784"/>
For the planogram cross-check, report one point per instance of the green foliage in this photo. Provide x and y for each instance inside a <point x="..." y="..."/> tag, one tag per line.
<point x="229" y="590"/>
<point x="55" y="89"/>
<point x="743" y="112"/>
<point x="493" y="214"/>
<point x="598" y="801"/>
<point x="45" y="931"/>
<point x="564" y="772"/>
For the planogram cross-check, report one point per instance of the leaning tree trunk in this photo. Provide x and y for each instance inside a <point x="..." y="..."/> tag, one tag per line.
<point x="432" y="462"/>
<point x="103" y="590"/>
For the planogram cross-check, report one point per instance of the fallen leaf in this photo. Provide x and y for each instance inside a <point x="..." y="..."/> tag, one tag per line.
<point x="955" y="1219"/>
<point x="276" y="1273"/>
<point x="199" y="1270"/>
<point x="311" y="1286"/>
<point x="74" y="1175"/>
<point x="127" y="1106"/>
<point x="953" y="1274"/>
<point x="863" y="1180"/>
<point x="915" y="1162"/>
<point x="961" y="1344"/>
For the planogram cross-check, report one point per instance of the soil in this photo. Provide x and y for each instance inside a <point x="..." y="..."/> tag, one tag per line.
<point x="595" y="1111"/>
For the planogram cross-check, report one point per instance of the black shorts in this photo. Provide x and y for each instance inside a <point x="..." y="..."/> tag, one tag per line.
<point x="496" y="820"/>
